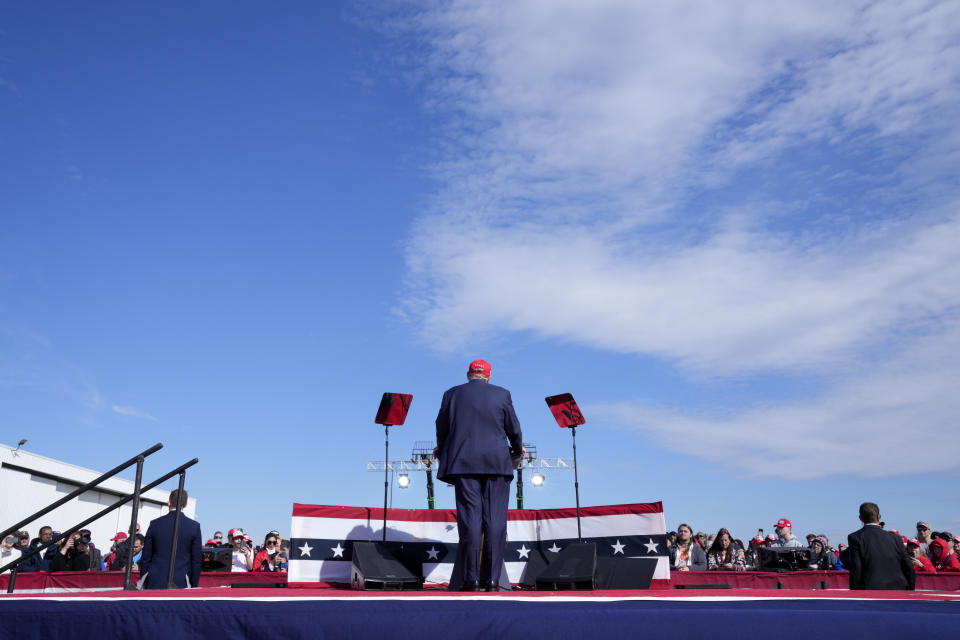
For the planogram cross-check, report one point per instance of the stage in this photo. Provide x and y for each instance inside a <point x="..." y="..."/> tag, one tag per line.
<point x="229" y="613"/>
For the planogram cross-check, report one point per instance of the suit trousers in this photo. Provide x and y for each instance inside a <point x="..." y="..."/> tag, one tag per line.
<point x="482" y="502"/>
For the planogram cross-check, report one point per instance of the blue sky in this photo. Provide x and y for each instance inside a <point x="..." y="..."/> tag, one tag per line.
<point x="731" y="232"/>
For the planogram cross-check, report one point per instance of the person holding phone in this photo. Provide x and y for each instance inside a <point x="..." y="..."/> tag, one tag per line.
<point x="242" y="556"/>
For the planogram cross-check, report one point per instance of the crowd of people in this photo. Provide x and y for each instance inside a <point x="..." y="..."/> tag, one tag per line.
<point x="928" y="550"/>
<point x="272" y="555"/>
<point x="78" y="552"/>
<point x="932" y="551"/>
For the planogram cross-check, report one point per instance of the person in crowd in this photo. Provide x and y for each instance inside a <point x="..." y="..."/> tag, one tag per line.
<point x="947" y="537"/>
<point x="9" y="551"/>
<point x="753" y="553"/>
<point x="112" y="558"/>
<point x="687" y="555"/>
<point x="785" y="538"/>
<point x="23" y="543"/>
<point x="137" y="551"/>
<point x="723" y="556"/>
<point x="920" y="561"/>
<point x="671" y="538"/>
<point x="269" y="558"/>
<point x="71" y="554"/>
<point x="701" y="539"/>
<point x="821" y="557"/>
<point x="242" y="556"/>
<point x="942" y="558"/>
<point x="39" y="561"/>
<point x="96" y="557"/>
<point x="923" y="536"/>
<point x="810" y="538"/>
<point x="156" y="563"/>
<point x="877" y="558"/>
<point x="218" y="539"/>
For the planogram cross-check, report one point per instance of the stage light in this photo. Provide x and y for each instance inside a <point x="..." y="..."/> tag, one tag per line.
<point x="537" y="480"/>
<point x="403" y="481"/>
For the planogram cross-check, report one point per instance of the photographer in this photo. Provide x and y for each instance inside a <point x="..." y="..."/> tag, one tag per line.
<point x="72" y="554"/>
<point x="270" y="558"/>
<point x="242" y="556"/>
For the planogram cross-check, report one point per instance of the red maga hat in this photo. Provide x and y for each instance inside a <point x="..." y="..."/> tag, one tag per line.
<point x="479" y="366"/>
<point x="783" y="522"/>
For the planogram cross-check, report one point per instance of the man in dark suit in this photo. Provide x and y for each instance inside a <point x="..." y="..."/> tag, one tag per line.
<point x="155" y="561"/>
<point x="877" y="558"/>
<point x="475" y="423"/>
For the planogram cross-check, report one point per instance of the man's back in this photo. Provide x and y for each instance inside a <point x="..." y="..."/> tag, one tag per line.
<point x="473" y="426"/>
<point x="878" y="560"/>
<point x="156" y="552"/>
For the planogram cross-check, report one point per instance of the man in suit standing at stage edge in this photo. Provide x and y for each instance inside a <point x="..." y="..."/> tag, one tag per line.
<point x="155" y="561"/>
<point x="878" y="558"/>
<point x="475" y="423"/>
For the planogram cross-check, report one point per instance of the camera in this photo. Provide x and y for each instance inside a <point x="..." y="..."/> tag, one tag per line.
<point x="84" y="539"/>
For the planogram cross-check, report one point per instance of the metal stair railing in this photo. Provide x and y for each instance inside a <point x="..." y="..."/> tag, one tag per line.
<point x="135" y="496"/>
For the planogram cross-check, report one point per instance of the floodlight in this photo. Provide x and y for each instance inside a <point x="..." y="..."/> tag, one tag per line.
<point x="403" y="480"/>
<point x="537" y="480"/>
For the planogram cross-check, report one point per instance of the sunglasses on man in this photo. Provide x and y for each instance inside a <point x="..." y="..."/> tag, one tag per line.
<point x="270" y="542"/>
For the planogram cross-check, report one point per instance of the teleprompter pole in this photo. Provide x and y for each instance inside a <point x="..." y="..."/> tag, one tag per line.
<point x="176" y="533"/>
<point x="576" y="481"/>
<point x="386" y="475"/>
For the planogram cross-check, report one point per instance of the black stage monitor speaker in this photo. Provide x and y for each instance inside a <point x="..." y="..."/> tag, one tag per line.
<point x="216" y="559"/>
<point x="574" y="568"/>
<point x="536" y="564"/>
<point x="625" y="573"/>
<point x="374" y="567"/>
<point x="782" y="559"/>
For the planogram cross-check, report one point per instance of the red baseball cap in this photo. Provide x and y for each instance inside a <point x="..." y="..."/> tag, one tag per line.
<point x="758" y="539"/>
<point x="783" y="522"/>
<point x="479" y="366"/>
<point x="120" y="536"/>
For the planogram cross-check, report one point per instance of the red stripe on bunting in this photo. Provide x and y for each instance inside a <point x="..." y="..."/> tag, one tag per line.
<point x="450" y="515"/>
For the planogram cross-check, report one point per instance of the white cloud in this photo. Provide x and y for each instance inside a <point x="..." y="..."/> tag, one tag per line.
<point x="736" y="188"/>
<point x="584" y="126"/>
<point x="896" y="419"/>
<point x="132" y="411"/>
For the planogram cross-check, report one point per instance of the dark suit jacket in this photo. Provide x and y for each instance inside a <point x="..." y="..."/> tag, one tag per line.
<point x="156" y="552"/>
<point x="878" y="560"/>
<point x="475" y="422"/>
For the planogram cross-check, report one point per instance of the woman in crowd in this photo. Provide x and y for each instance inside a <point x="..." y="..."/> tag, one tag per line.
<point x="686" y="554"/>
<point x="724" y="556"/>
<point x="269" y="558"/>
<point x="9" y="551"/>
<point x="242" y="555"/>
<point x="821" y="558"/>
<point x="941" y="557"/>
<point x="918" y="558"/>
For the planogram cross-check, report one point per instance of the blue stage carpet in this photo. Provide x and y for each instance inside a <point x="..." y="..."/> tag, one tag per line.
<point x="230" y="615"/>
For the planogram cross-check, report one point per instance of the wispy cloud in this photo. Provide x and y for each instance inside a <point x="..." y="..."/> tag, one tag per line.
<point x="132" y="411"/>
<point x="737" y="189"/>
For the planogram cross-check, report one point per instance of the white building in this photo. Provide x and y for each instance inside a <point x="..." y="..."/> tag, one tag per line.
<point x="29" y="482"/>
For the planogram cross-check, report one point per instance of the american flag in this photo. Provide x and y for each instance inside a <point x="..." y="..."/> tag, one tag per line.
<point x="322" y="538"/>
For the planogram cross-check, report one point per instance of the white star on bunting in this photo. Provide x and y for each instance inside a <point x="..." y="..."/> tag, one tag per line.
<point x="305" y="549"/>
<point x="524" y="552"/>
<point x="337" y="551"/>
<point x="432" y="553"/>
<point x="650" y="545"/>
<point x="554" y="548"/>
<point x="618" y="548"/>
